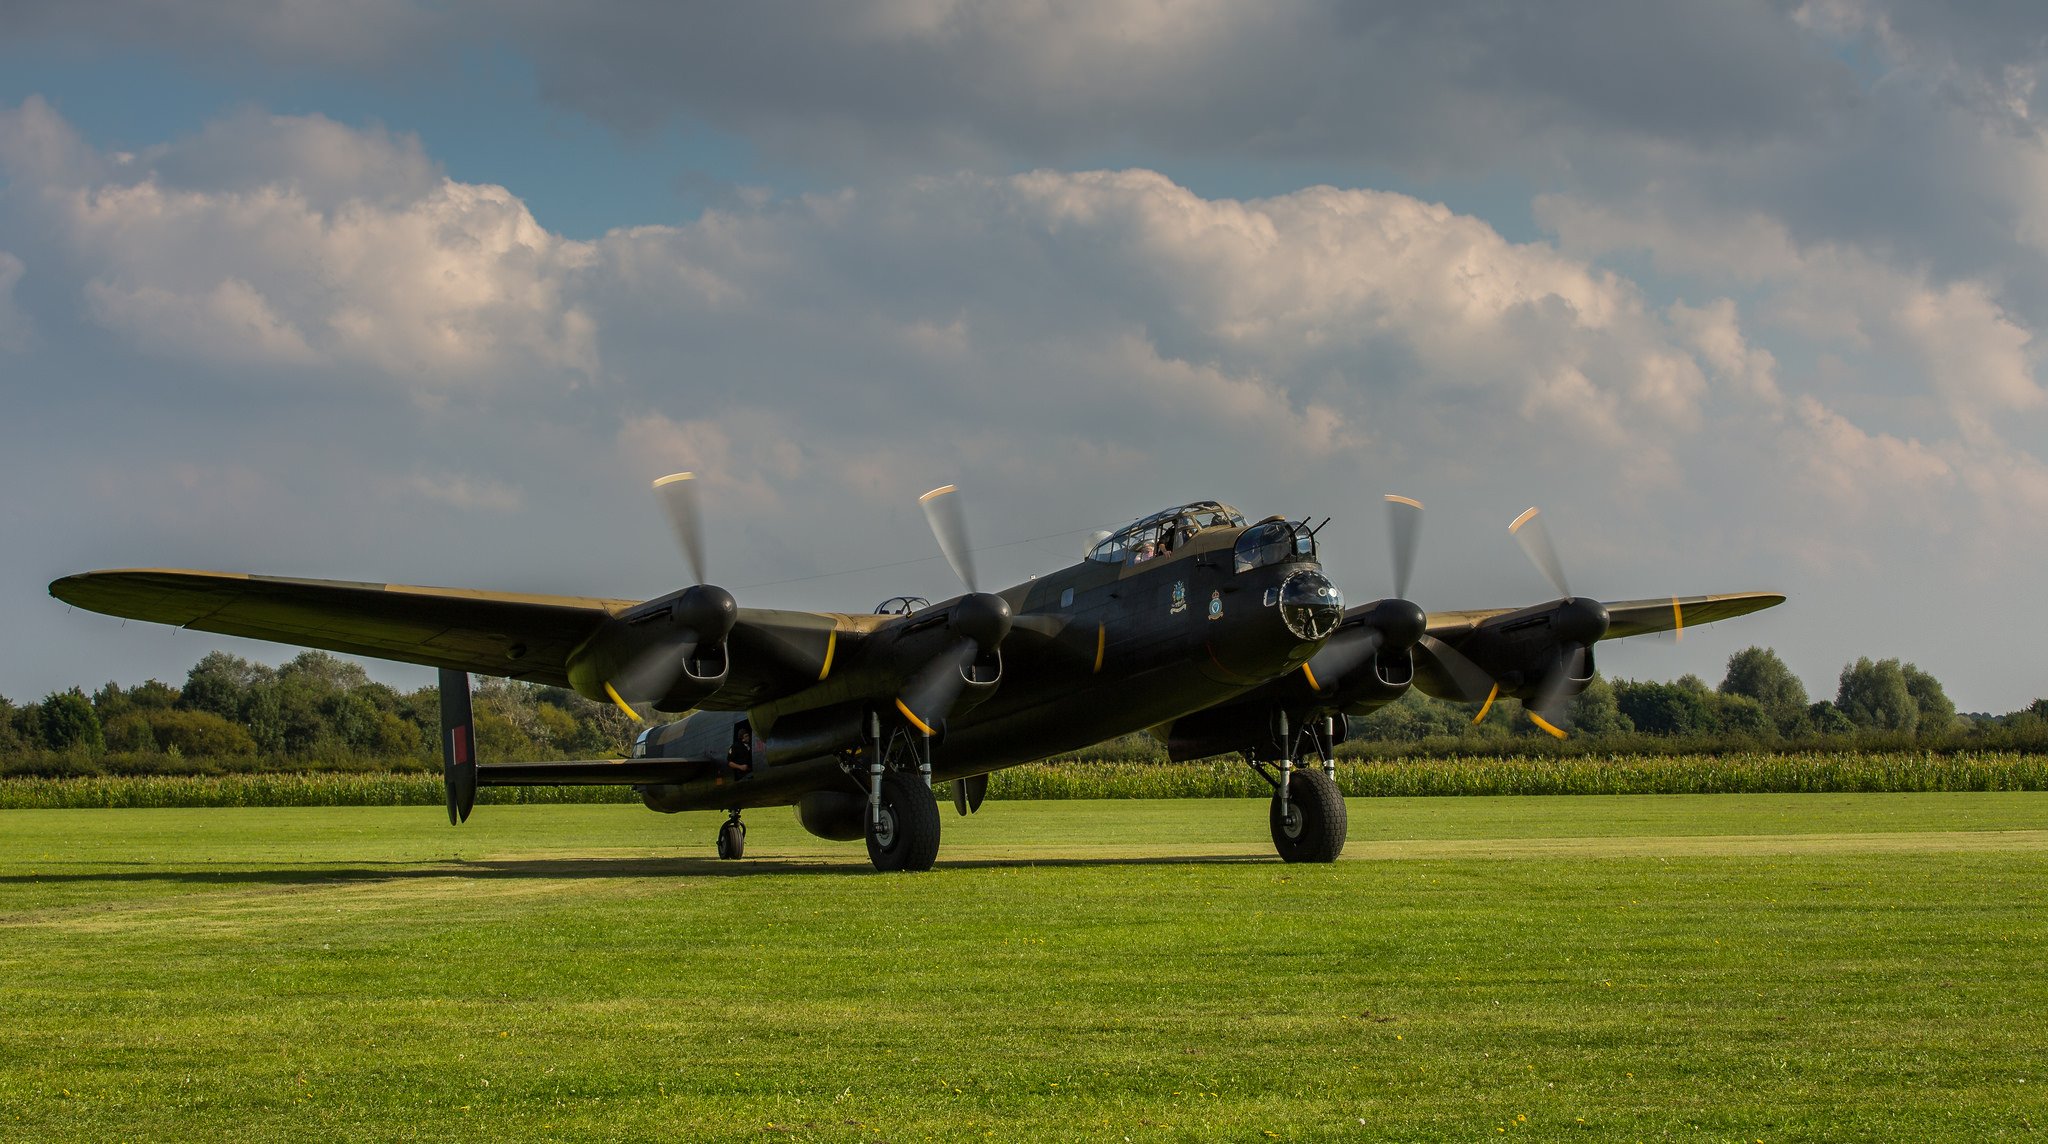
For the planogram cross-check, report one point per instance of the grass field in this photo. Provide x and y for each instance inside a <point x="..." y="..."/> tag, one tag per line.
<point x="1717" y="967"/>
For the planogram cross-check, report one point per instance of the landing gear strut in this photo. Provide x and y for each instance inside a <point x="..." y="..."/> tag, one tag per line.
<point x="903" y="817"/>
<point x="732" y="837"/>
<point x="1307" y="816"/>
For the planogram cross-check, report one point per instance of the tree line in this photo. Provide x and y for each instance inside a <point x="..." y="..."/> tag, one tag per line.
<point x="234" y="714"/>
<point x="319" y="711"/>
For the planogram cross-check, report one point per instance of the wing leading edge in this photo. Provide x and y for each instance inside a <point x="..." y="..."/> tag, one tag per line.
<point x="523" y="636"/>
<point x="1628" y="617"/>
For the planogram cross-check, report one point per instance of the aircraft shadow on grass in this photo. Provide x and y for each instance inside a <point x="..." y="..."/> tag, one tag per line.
<point x="576" y="868"/>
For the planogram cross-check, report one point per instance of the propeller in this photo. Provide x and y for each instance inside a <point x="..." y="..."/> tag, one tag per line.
<point x="1404" y="530"/>
<point x="1576" y="623"/>
<point x="699" y="618"/>
<point x="1473" y="682"/>
<point x="678" y="494"/>
<point x="1393" y="624"/>
<point x="949" y="524"/>
<point x="1529" y="530"/>
<point x="979" y="621"/>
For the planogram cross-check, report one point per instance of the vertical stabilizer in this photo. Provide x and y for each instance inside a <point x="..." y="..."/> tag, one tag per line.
<point x="458" y="745"/>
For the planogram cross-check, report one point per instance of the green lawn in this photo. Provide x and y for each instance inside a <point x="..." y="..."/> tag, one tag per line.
<point x="1719" y="967"/>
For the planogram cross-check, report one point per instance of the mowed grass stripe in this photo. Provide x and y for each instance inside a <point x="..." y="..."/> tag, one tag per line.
<point x="583" y="971"/>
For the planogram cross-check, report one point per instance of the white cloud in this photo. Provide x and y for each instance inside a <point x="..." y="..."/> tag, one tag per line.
<point x="324" y="247"/>
<point x="1073" y="347"/>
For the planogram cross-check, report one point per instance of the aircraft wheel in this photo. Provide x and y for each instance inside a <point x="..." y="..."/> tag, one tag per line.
<point x="1311" y="826"/>
<point x="908" y="837"/>
<point x="732" y="840"/>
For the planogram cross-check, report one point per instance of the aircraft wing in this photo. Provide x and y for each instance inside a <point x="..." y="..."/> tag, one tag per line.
<point x="1627" y="617"/>
<point x="523" y="636"/>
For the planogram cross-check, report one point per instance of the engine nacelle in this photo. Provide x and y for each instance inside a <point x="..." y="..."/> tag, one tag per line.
<point x="688" y="629"/>
<point x="813" y="734"/>
<point x="839" y="816"/>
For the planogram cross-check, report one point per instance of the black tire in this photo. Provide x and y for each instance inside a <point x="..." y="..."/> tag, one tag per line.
<point x="1312" y="829"/>
<point x="732" y="840"/>
<point x="909" y="835"/>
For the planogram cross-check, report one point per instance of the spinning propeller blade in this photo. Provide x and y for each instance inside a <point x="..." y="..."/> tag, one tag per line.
<point x="981" y="621"/>
<point x="701" y="617"/>
<point x="949" y="524"/>
<point x="1404" y="526"/>
<point x="678" y="493"/>
<point x="1471" y="680"/>
<point x="1529" y="529"/>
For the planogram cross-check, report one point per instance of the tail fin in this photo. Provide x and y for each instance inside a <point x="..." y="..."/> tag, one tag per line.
<point x="458" y="745"/>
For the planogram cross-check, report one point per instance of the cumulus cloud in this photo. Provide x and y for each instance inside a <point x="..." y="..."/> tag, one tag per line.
<point x="321" y="246"/>
<point x="1068" y="344"/>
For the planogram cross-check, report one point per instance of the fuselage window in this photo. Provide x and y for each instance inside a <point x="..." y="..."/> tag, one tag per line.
<point x="1067" y="598"/>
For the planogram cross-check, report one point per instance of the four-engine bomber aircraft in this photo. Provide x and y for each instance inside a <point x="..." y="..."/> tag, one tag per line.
<point x="1214" y="634"/>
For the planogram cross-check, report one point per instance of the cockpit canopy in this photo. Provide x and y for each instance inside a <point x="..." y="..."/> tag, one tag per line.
<point x="1162" y="532"/>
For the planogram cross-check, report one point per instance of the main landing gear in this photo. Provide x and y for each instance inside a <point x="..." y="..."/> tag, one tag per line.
<point x="732" y="837"/>
<point x="903" y="817"/>
<point x="1307" y="816"/>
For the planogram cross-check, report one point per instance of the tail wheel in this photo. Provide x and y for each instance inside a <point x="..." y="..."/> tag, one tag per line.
<point x="732" y="840"/>
<point x="1310" y="825"/>
<point x="907" y="838"/>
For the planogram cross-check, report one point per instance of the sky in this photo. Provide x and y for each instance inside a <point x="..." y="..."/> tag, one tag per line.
<point x="1743" y="296"/>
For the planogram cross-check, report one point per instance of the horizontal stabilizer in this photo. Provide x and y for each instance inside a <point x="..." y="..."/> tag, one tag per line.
<point x="595" y="772"/>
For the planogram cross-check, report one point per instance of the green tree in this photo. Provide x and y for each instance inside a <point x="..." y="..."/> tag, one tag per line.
<point x="153" y="695"/>
<point x="192" y="734"/>
<point x="221" y="683"/>
<point x="1679" y="708"/>
<point x="1758" y="673"/>
<point x="1875" y="697"/>
<point x="10" y="739"/>
<point x="1937" y="711"/>
<point x="110" y="701"/>
<point x="68" y="720"/>
<point x="1595" y="712"/>
<point x="1741" y="715"/>
<point x="27" y="725"/>
<point x="1827" y="719"/>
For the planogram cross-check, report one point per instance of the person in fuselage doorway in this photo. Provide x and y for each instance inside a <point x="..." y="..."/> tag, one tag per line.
<point x="739" y="760"/>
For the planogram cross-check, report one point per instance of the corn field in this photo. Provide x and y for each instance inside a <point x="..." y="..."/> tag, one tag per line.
<point x="1729" y="773"/>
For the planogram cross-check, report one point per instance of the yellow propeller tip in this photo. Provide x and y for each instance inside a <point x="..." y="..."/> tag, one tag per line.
<point x="1522" y="519"/>
<point x="912" y="716"/>
<point x="672" y="478"/>
<point x="1540" y="721"/>
<point x="623" y="705"/>
<point x="942" y="490"/>
<point x="1411" y="502"/>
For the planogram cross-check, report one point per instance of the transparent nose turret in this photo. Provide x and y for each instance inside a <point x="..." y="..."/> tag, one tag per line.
<point x="1310" y="605"/>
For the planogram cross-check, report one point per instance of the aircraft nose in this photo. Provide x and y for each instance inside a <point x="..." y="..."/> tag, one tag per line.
<point x="1310" y="605"/>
